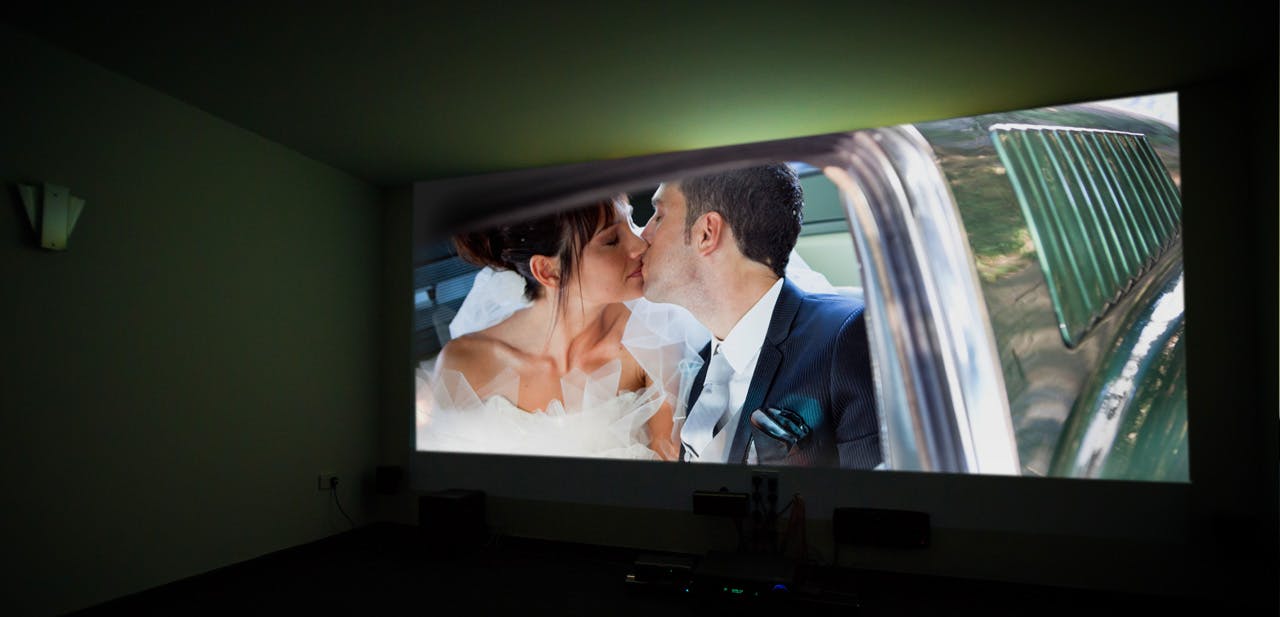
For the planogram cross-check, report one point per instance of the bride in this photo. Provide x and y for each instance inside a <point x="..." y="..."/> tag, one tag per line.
<point x="572" y="373"/>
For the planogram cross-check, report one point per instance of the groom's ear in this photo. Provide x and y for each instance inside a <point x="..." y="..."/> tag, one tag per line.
<point x="708" y="232"/>
<point x="546" y="270"/>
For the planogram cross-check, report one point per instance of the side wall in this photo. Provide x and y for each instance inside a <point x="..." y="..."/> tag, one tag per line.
<point x="172" y="384"/>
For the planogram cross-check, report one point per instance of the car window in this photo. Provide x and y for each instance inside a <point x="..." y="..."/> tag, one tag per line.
<point x="825" y="243"/>
<point x="439" y="288"/>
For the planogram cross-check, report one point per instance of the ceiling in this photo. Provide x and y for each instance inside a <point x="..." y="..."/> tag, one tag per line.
<point x="394" y="92"/>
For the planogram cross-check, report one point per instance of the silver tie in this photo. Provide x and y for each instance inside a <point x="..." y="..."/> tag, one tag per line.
<point x="711" y="411"/>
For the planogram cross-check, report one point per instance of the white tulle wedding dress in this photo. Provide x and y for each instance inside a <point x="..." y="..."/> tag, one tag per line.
<point x="592" y="419"/>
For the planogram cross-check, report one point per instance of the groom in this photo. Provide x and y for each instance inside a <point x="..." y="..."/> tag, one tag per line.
<point x="787" y="375"/>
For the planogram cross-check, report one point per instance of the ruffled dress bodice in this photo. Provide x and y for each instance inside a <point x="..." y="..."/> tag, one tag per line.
<point x="593" y="418"/>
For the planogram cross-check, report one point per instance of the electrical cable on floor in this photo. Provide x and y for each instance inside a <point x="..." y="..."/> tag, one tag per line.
<point x="796" y="528"/>
<point x="757" y="514"/>
<point x="794" y="498"/>
<point x="333" y="488"/>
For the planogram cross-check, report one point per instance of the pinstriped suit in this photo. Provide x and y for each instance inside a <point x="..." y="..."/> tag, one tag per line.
<point x="815" y="361"/>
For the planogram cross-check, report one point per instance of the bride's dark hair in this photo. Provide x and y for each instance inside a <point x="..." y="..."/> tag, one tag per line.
<point x="562" y="235"/>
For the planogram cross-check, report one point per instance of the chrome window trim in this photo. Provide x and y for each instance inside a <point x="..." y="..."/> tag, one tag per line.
<point x="924" y="302"/>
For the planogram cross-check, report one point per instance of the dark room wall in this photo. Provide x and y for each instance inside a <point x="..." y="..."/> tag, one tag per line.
<point x="172" y="383"/>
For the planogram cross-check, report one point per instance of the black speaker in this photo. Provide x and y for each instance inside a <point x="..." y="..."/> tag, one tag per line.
<point x="720" y="503"/>
<point x="452" y="519"/>
<point x="880" y="527"/>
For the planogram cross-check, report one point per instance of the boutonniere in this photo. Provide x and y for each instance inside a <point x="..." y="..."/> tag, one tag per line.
<point x="784" y="425"/>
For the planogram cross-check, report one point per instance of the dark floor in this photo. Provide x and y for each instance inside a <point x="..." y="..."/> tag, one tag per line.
<point x="387" y="569"/>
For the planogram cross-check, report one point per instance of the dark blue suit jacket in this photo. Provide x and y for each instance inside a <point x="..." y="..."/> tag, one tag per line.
<point x="815" y="361"/>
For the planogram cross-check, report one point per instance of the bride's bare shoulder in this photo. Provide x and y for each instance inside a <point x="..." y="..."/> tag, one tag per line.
<point x="470" y="352"/>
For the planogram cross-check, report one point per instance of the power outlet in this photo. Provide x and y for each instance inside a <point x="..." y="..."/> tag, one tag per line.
<point x="765" y="495"/>
<point x="326" y="480"/>
<point x="765" y="481"/>
<point x="764" y="509"/>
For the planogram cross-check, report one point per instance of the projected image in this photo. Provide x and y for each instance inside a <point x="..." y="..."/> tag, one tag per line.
<point x="999" y="294"/>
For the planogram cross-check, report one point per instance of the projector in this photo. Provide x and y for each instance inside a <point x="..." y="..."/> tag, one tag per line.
<point x="661" y="572"/>
<point x="749" y="576"/>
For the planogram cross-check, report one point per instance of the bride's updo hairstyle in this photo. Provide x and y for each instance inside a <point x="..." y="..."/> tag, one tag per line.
<point x="562" y="235"/>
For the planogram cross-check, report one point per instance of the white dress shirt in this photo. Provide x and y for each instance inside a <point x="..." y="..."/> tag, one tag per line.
<point x="742" y="349"/>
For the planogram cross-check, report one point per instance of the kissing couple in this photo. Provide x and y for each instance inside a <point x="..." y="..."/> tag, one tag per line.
<point x="686" y="340"/>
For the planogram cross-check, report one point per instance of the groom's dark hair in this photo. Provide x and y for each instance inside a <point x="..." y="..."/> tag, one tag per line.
<point x="764" y="206"/>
